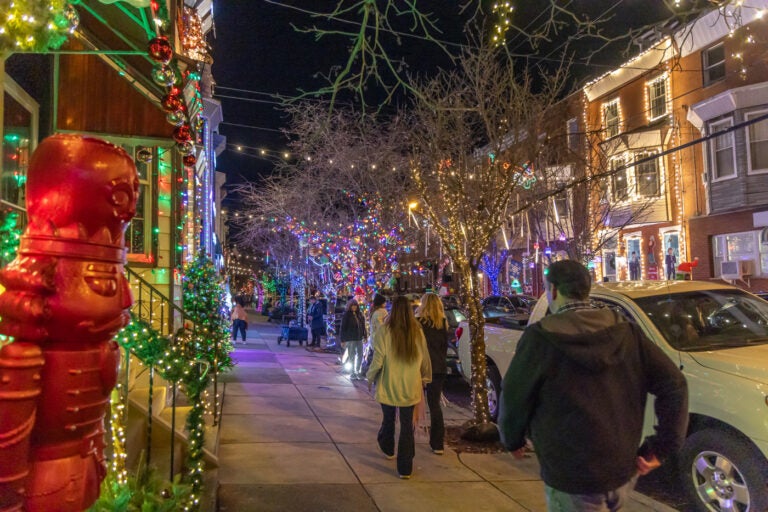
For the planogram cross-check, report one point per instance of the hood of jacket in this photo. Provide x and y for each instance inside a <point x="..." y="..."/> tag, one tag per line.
<point x="593" y="338"/>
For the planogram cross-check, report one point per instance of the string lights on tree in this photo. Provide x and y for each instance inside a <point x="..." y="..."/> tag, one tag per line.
<point x="36" y="25"/>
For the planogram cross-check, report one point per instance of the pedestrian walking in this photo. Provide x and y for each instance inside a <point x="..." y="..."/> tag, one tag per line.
<point x="578" y="382"/>
<point x="431" y="316"/>
<point x="351" y="336"/>
<point x="316" y="318"/>
<point x="670" y="261"/>
<point x="399" y="369"/>
<point x="239" y="319"/>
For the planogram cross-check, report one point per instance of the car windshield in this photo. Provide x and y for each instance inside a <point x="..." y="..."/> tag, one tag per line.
<point x="708" y="319"/>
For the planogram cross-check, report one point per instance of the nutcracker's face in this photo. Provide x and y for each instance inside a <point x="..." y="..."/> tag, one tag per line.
<point x="83" y="188"/>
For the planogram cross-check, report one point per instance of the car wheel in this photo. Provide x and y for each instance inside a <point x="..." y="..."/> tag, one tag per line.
<point x="493" y="383"/>
<point x="722" y="472"/>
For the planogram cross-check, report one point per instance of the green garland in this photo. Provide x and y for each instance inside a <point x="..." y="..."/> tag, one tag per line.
<point x="10" y="234"/>
<point x="176" y="360"/>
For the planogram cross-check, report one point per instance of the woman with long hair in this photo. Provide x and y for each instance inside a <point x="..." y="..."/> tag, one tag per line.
<point x="431" y="316"/>
<point x="352" y="334"/>
<point x="400" y="368"/>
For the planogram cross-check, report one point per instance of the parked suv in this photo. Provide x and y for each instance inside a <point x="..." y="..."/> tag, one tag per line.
<point x="718" y="335"/>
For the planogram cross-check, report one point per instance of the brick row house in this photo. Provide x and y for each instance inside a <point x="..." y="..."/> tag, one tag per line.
<point x="684" y="152"/>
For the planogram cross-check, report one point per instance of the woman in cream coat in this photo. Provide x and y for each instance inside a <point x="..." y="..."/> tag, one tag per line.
<point x="400" y="369"/>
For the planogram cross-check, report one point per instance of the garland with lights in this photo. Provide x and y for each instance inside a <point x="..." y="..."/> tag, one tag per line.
<point x="36" y="26"/>
<point x="207" y="305"/>
<point x="176" y="360"/>
<point x="492" y="266"/>
<point x="10" y="234"/>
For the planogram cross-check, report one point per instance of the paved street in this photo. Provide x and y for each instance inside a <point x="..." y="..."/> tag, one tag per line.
<point x="297" y="435"/>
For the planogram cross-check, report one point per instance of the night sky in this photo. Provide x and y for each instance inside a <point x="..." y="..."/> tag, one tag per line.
<point x="257" y="51"/>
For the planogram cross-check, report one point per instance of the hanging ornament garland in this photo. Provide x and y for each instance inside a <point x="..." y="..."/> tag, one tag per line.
<point x="165" y="74"/>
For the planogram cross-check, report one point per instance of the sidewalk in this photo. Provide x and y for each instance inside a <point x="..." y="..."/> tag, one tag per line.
<point x="297" y="435"/>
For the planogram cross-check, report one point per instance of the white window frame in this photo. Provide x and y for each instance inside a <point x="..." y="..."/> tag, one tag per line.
<point x="628" y="190"/>
<point x="747" y="116"/>
<point x="14" y="90"/>
<point x="711" y="148"/>
<point x="757" y="254"/>
<point x="608" y="128"/>
<point x="707" y="66"/>
<point x="649" y="89"/>
<point x="640" y="155"/>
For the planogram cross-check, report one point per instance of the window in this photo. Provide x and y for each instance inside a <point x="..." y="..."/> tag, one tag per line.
<point x="713" y="64"/>
<point x="574" y="137"/>
<point x="647" y="175"/>
<point x="561" y="206"/>
<point x="137" y="235"/>
<point x="757" y="137"/>
<point x="20" y="119"/>
<point x="657" y="97"/>
<point x="611" y="118"/>
<point x="723" y="157"/>
<point x="618" y="179"/>
<point x="739" y="246"/>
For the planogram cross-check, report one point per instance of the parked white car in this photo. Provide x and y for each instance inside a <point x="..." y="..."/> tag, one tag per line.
<point x="718" y="334"/>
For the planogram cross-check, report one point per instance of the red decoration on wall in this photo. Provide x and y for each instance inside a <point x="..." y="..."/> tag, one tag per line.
<point x="160" y="50"/>
<point x="189" y="160"/>
<point x="66" y="297"/>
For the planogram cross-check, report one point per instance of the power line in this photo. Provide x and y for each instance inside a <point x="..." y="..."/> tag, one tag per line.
<point x="252" y="127"/>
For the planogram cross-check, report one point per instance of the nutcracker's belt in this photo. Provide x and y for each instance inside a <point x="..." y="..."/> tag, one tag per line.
<point x="70" y="248"/>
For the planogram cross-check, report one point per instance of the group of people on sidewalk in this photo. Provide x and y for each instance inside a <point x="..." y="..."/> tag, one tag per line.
<point x="576" y="387"/>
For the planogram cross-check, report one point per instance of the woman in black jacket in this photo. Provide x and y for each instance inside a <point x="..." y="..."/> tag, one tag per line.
<point x="351" y="335"/>
<point x="431" y="316"/>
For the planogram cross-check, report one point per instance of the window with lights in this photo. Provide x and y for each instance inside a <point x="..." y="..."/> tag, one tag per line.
<point x="619" y="188"/>
<point x="138" y="239"/>
<point x="657" y="98"/>
<point x="647" y="175"/>
<point x="611" y="118"/>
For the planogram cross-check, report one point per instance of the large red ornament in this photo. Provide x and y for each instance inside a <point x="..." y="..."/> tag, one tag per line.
<point x="160" y="50"/>
<point x="182" y="133"/>
<point x="65" y="298"/>
<point x="189" y="160"/>
<point x="172" y="102"/>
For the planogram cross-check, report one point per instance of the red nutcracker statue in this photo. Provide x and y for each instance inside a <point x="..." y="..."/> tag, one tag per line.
<point x="66" y="296"/>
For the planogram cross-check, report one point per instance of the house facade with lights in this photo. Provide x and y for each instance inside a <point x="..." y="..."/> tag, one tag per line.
<point x="721" y="93"/>
<point x="139" y="77"/>
<point x="673" y="183"/>
<point x="629" y="114"/>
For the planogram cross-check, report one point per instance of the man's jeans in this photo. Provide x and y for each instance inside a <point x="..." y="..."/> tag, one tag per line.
<point x="610" y="501"/>
<point x="405" y="445"/>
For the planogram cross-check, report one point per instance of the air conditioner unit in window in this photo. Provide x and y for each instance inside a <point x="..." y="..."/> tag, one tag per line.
<point x="737" y="269"/>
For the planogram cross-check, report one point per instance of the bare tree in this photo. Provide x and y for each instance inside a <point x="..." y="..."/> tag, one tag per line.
<point x="343" y="198"/>
<point x="465" y="191"/>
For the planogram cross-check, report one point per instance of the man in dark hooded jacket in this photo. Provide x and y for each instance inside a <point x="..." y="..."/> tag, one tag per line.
<point x="578" y="384"/>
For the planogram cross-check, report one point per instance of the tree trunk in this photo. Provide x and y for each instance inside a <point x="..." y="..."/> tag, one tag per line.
<point x="481" y="428"/>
